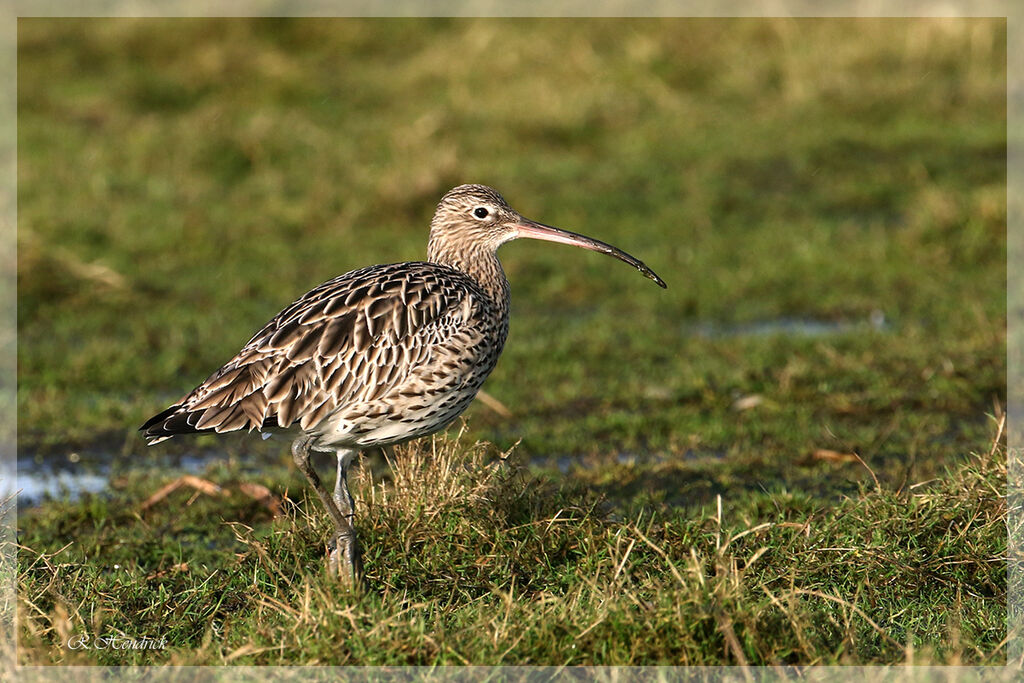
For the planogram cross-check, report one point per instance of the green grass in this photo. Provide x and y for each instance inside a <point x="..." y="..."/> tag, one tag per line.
<point x="181" y="181"/>
<point x="471" y="560"/>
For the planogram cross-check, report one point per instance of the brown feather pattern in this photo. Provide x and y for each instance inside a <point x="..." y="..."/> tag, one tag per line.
<point x="361" y="344"/>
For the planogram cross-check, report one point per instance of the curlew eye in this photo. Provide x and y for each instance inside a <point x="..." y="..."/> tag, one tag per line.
<point x="480" y="212"/>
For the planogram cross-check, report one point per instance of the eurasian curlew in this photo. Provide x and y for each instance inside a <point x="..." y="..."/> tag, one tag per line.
<point x="376" y="356"/>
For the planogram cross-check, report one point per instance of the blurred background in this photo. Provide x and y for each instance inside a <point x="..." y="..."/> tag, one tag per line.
<point x="826" y="200"/>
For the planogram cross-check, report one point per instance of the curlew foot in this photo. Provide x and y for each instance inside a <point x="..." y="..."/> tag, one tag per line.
<point x="344" y="561"/>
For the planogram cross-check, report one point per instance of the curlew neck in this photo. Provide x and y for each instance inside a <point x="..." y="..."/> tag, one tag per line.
<point x="479" y="261"/>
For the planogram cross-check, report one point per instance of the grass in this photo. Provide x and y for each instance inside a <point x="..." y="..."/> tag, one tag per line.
<point x="472" y="560"/>
<point x="180" y="181"/>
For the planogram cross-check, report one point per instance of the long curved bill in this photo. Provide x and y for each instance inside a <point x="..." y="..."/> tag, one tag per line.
<point x="539" y="231"/>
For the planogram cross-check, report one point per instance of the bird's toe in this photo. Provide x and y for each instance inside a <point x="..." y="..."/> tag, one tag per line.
<point x="343" y="561"/>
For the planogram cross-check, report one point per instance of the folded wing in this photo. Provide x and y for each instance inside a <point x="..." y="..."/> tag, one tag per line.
<point x="353" y="338"/>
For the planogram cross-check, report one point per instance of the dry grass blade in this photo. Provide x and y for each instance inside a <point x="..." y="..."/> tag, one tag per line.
<point x="200" y="485"/>
<point x="493" y="403"/>
<point x="246" y="650"/>
<point x="662" y="554"/>
<point x="828" y="455"/>
<point x="998" y="437"/>
<point x="878" y="487"/>
<point x="724" y="624"/>
<point x="625" y="557"/>
<point x="262" y="495"/>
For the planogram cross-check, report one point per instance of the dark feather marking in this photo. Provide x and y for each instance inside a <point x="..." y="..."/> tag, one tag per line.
<point x="255" y="408"/>
<point x="379" y="307"/>
<point x="340" y="382"/>
<point x="356" y="295"/>
<point x="315" y="416"/>
<point x="398" y="320"/>
<point x="175" y="424"/>
<point x="314" y="313"/>
<point x="335" y="304"/>
<point x="279" y="386"/>
<point x="305" y="378"/>
<point x="285" y="409"/>
<point x="226" y="376"/>
<point x="304" y="346"/>
<point x="284" y="335"/>
<point x="361" y="336"/>
<point x="369" y="323"/>
<point x="337" y="334"/>
<point x="211" y="416"/>
<point x="160" y="417"/>
<point x="234" y="419"/>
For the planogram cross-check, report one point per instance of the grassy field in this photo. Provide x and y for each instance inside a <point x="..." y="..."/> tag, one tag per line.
<point x="789" y="456"/>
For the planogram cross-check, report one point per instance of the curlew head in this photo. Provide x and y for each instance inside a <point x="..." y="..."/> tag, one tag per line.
<point x="475" y="219"/>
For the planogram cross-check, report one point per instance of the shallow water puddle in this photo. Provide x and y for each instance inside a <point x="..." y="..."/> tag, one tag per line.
<point x="797" y="327"/>
<point x="72" y="474"/>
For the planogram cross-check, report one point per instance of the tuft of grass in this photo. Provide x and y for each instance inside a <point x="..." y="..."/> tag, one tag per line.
<point x="470" y="559"/>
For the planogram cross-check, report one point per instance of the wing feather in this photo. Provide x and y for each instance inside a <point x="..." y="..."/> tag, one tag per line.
<point x="353" y="338"/>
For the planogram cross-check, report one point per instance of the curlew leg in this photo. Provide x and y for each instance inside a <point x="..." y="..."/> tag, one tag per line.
<point x="346" y="547"/>
<point x="342" y="497"/>
<point x="344" y="560"/>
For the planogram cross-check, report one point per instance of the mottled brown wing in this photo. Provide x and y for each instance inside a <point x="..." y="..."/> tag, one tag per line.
<point x="347" y="340"/>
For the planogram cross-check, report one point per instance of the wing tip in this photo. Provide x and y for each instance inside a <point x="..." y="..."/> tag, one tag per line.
<point x="166" y="424"/>
<point x="179" y="420"/>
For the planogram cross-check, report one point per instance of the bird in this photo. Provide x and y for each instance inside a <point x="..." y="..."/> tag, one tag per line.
<point x="376" y="356"/>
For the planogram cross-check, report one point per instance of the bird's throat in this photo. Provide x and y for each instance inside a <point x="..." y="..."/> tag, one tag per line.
<point x="484" y="267"/>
